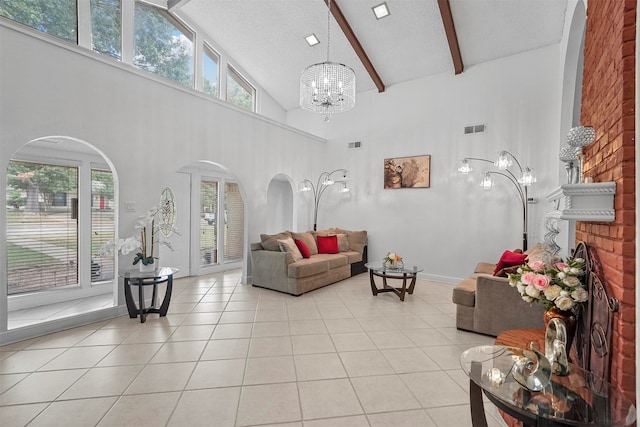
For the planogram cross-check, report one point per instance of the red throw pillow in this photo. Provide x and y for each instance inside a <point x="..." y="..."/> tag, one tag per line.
<point x="509" y="259"/>
<point x="328" y="244"/>
<point x="304" y="249"/>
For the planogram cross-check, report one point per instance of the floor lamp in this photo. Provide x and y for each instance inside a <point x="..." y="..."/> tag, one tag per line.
<point x="325" y="181"/>
<point x="503" y="163"/>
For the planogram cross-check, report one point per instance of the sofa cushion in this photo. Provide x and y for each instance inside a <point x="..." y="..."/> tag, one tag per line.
<point x="464" y="293"/>
<point x="357" y="239"/>
<point x="308" y="240"/>
<point x="509" y="259"/>
<point x="343" y="242"/>
<point x="352" y="256"/>
<point x="303" y="248"/>
<point x="307" y="267"/>
<point x="270" y="241"/>
<point x="328" y="244"/>
<point x="288" y="245"/>
<point x="485" y="268"/>
<point x="334" y="260"/>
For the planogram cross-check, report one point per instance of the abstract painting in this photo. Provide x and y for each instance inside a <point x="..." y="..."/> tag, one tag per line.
<point x="407" y="172"/>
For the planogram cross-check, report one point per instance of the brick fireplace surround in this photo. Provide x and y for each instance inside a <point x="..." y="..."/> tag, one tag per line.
<point x="608" y="105"/>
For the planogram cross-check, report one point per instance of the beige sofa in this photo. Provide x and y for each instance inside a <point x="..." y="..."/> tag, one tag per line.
<point x="489" y="305"/>
<point x="272" y="268"/>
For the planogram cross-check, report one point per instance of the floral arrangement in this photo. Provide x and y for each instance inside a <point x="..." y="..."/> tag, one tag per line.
<point x="144" y="244"/>
<point x="392" y="259"/>
<point x="556" y="285"/>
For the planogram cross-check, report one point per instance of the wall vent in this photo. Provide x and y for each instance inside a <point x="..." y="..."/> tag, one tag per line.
<point x="355" y="145"/>
<point x="474" y="129"/>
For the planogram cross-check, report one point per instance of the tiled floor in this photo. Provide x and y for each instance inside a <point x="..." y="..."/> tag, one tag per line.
<point x="233" y="355"/>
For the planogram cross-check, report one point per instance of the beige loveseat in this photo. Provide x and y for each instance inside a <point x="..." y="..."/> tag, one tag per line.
<point x="489" y="305"/>
<point x="274" y="269"/>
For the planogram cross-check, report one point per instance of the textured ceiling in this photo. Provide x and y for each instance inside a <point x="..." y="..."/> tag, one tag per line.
<point x="266" y="37"/>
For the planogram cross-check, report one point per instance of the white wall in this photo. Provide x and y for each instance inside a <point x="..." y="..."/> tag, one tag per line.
<point x="454" y="224"/>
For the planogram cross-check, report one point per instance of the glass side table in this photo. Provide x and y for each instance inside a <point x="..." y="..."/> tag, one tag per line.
<point x="577" y="399"/>
<point x="393" y="273"/>
<point x="142" y="279"/>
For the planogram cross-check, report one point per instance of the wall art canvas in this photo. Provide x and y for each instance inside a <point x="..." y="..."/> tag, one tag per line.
<point x="407" y="172"/>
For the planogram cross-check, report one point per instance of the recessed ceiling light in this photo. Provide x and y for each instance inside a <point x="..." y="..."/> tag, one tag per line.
<point x="312" y="40"/>
<point x="380" y="11"/>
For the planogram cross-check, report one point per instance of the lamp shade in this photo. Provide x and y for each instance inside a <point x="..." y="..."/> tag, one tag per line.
<point x="487" y="181"/>
<point x="528" y="177"/>
<point x="504" y="161"/>
<point x="327" y="88"/>
<point x="581" y="136"/>
<point x="465" y="168"/>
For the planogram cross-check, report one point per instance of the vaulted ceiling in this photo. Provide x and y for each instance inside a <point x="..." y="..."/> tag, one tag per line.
<point x="267" y="37"/>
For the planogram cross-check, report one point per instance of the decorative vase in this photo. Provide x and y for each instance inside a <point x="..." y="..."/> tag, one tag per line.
<point x="147" y="268"/>
<point x="569" y="320"/>
<point x="393" y="265"/>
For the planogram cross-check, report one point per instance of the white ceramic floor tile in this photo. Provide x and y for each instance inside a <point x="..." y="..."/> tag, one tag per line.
<point x="100" y="382"/>
<point x="232" y="330"/>
<point x="41" y="387"/>
<point x="338" y="326"/>
<point x="390" y="339"/>
<point x="226" y="349"/>
<point x="237" y="317"/>
<point x="401" y="419"/>
<point x="105" y="337"/>
<point x="427" y="337"/>
<point x="179" y="351"/>
<point x="383" y="394"/>
<point x="271" y="329"/>
<point x="362" y="363"/>
<point x="217" y="373"/>
<point x="192" y="332"/>
<point x="447" y="357"/>
<point x="141" y="409"/>
<point x="310" y="344"/>
<point x="328" y="398"/>
<point x="264" y="315"/>
<point x="406" y="360"/>
<point x="20" y="415"/>
<point x="82" y="412"/>
<point x="307" y="327"/>
<point x="272" y="403"/>
<point x="130" y="354"/>
<point x="270" y="346"/>
<point x="354" y="421"/>
<point x="149" y="334"/>
<point x="78" y="357"/>
<point x="9" y="380"/>
<point x="434" y="389"/>
<point x="28" y="360"/>
<point x="352" y="341"/>
<point x="201" y="407"/>
<point x="162" y="377"/>
<point x="319" y="366"/>
<point x="269" y="370"/>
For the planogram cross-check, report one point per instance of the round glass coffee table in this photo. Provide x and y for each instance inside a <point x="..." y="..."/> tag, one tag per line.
<point x="576" y="399"/>
<point x="404" y="274"/>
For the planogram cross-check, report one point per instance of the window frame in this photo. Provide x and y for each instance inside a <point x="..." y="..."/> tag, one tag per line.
<point x="232" y="72"/>
<point x="209" y="51"/>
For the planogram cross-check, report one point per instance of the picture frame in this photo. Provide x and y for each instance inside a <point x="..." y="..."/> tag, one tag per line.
<point x="407" y="172"/>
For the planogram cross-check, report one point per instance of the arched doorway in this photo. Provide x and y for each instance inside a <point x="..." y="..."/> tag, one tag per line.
<point x="280" y="206"/>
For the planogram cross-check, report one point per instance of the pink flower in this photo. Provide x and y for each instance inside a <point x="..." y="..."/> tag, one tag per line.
<point x="562" y="266"/>
<point x="527" y="278"/>
<point x="537" y="266"/>
<point x="541" y="282"/>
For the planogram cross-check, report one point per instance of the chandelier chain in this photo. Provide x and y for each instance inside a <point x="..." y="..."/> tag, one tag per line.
<point x="328" y="27"/>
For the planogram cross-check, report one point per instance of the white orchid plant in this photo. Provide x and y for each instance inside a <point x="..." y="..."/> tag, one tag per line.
<point x="144" y="244"/>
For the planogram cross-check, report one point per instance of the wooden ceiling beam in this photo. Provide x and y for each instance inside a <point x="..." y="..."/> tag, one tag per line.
<point x="355" y="44"/>
<point x="452" y="38"/>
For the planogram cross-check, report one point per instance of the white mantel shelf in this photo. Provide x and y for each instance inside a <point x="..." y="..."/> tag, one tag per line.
<point x="583" y="202"/>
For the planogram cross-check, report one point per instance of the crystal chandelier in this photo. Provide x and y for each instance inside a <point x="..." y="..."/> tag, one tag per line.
<point x="327" y="87"/>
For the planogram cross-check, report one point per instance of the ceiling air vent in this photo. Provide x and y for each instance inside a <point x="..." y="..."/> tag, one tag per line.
<point x="474" y="129"/>
<point x="355" y="145"/>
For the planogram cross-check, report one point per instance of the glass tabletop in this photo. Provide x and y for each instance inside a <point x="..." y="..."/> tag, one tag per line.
<point x="577" y="399"/>
<point x="379" y="268"/>
<point x="158" y="272"/>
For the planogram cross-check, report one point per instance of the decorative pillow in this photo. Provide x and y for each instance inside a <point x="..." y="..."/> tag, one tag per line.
<point x="328" y="244"/>
<point x="308" y="239"/>
<point x="288" y="245"/>
<point x="270" y="241"/>
<point x="507" y="270"/>
<point x="303" y="248"/>
<point x="343" y="242"/>
<point x="509" y="259"/>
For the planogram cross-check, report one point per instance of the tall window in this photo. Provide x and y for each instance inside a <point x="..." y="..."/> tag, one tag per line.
<point x="234" y="222"/>
<point x="106" y="27"/>
<point x="56" y="17"/>
<point x="161" y="46"/>
<point x="210" y="72"/>
<point x="102" y="225"/>
<point x="42" y="226"/>
<point x="239" y="91"/>
<point x="208" y="222"/>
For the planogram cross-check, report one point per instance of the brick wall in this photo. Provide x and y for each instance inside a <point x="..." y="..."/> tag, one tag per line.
<point x="608" y="104"/>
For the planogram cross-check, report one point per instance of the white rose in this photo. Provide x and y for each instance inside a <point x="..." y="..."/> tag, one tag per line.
<point x="552" y="292"/>
<point x="519" y="270"/>
<point x="574" y="270"/>
<point x="580" y="295"/>
<point x="565" y="294"/>
<point x="527" y="299"/>
<point x="532" y="291"/>
<point x="564" y="303"/>
<point x="521" y="287"/>
<point x="561" y="275"/>
<point x="571" y="281"/>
